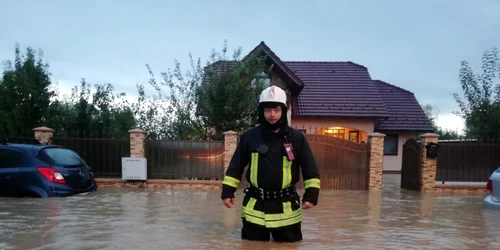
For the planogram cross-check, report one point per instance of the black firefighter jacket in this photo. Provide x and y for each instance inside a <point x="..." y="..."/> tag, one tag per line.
<point x="272" y="170"/>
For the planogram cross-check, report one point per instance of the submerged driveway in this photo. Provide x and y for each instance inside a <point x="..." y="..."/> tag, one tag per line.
<point x="127" y="218"/>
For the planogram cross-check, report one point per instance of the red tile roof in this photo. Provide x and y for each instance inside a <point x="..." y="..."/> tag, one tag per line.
<point x="336" y="89"/>
<point x="406" y="114"/>
<point x="345" y="89"/>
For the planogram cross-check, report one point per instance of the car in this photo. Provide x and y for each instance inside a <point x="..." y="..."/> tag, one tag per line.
<point x="37" y="170"/>
<point x="492" y="199"/>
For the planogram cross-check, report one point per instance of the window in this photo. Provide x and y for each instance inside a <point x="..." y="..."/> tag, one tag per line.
<point x="10" y="158"/>
<point x="391" y="145"/>
<point x="354" y="136"/>
<point x="62" y="156"/>
<point x="263" y="78"/>
<point x="339" y="133"/>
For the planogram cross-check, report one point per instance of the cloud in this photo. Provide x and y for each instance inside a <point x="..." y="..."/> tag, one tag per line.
<point x="64" y="90"/>
<point x="451" y="122"/>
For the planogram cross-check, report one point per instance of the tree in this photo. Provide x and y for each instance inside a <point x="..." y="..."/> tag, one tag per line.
<point x="432" y="113"/>
<point x="150" y="115"/>
<point x="205" y="102"/>
<point x="26" y="94"/>
<point x="92" y="113"/>
<point x="178" y="104"/>
<point x="480" y="107"/>
<point x="26" y="102"/>
<point x="228" y="97"/>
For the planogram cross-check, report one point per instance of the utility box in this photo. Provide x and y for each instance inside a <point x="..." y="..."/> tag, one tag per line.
<point x="134" y="168"/>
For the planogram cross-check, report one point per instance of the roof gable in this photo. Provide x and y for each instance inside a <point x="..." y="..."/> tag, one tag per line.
<point x="406" y="114"/>
<point x="336" y="89"/>
<point x="344" y="89"/>
<point x="281" y="68"/>
<point x="294" y="83"/>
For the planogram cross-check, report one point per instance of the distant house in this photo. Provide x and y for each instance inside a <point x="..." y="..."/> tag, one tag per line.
<point x="340" y="99"/>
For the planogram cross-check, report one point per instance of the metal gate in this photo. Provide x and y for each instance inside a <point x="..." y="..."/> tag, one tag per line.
<point x="343" y="164"/>
<point x="410" y="171"/>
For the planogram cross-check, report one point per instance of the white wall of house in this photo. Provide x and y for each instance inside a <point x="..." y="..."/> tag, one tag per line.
<point x="393" y="162"/>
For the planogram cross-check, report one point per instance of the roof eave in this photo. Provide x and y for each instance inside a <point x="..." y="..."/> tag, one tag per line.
<point x="403" y="131"/>
<point x="342" y="116"/>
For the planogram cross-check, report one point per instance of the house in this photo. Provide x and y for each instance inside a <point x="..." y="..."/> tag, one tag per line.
<point x="340" y="99"/>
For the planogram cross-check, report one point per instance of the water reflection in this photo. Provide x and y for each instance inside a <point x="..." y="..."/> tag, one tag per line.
<point x="195" y="219"/>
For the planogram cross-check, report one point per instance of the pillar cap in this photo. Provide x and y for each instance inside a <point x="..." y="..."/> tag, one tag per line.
<point x="429" y="135"/>
<point x="137" y="131"/>
<point x="230" y="132"/>
<point x="376" y="134"/>
<point x="43" y="129"/>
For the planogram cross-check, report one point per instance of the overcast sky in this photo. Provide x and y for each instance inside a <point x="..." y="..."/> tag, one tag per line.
<point x="417" y="45"/>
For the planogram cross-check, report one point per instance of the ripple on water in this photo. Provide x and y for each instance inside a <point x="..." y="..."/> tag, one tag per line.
<point x="116" y="218"/>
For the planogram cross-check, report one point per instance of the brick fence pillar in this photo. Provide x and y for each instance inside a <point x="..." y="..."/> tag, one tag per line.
<point x="427" y="165"/>
<point x="376" y="147"/>
<point x="230" y="143"/>
<point x="137" y="143"/>
<point x="43" y="134"/>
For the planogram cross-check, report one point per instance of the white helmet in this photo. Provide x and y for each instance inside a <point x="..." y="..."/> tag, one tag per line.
<point x="273" y="94"/>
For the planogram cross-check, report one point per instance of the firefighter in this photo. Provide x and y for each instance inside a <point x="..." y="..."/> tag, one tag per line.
<point x="275" y="155"/>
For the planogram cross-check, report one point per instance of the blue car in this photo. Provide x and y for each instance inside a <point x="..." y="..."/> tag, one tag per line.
<point x="492" y="199"/>
<point x="36" y="170"/>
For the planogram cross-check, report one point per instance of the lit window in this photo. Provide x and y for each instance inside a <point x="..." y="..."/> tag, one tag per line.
<point x="339" y="133"/>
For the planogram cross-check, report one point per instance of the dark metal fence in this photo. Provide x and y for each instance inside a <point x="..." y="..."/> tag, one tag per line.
<point x="467" y="161"/>
<point x="104" y="156"/>
<point x="183" y="159"/>
<point x="17" y="139"/>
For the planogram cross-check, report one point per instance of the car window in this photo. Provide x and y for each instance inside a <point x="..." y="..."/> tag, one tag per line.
<point x="63" y="156"/>
<point x="10" y="158"/>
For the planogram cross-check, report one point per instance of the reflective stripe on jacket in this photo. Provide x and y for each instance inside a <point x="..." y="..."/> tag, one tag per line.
<point x="272" y="170"/>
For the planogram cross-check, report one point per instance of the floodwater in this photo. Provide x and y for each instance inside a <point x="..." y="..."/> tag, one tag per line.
<point x="115" y="218"/>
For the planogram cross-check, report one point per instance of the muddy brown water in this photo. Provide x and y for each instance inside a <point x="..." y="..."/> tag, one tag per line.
<point x="117" y="218"/>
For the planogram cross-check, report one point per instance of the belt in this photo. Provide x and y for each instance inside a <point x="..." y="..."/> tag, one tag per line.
<point x="270" y="194"/>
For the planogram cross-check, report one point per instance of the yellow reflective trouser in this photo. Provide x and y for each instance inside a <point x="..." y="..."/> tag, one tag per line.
<point x="288" y="217"/>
